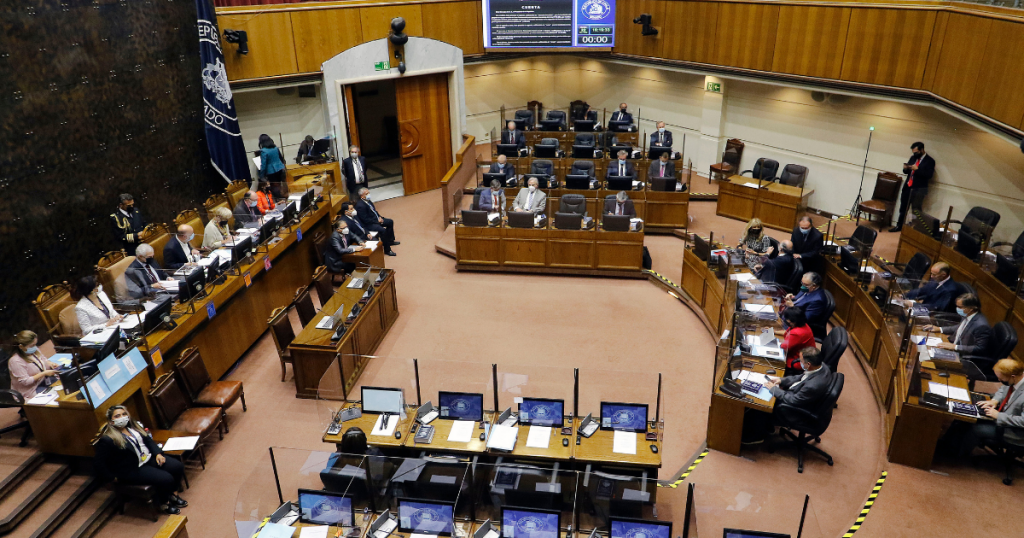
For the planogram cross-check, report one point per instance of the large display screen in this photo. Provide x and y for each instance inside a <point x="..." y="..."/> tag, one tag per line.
<point x="549" y="23"/>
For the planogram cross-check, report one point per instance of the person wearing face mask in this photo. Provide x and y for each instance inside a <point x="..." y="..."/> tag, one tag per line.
<point x="354" y="169"/>
<point x="492" y="200"/>
<point x="939" y="294"/>
<point x="662" y="167"/>
<point x="179" y="251"/>
<point x="803" y="389"/>
<point x="246" y="212"/>
<point x="271" y="161"/>
<point x="1006" y="408"/>
<point x="622" y="167"/>
<point x="372" y="220"/>
<point x="798" y="337"/>
<point x="530" y="198"/>
<point x="502" y="167"/>
<point x="143" y="275"/>
<point x="811" y="298"/>
<point x="621" y="115"/>
<point x="661" y="138"/>
<point x="754" y="244"/>
<point x="126" y="454"/>
<point x="341" y="244"/>
<point x="972" y="336"/>
<point x="807" y="241"/>
<point x="94" y="309"/>
<point x="778" y="269"/>
<point x="620" y="205"/>
<point x="127" y="223"/>
<point x="919" y="170"/>
<point x="355" y="228"/>
<point x="265" y="198"/>
<point x="31" y="372"/>
<point x="216" y="233"/>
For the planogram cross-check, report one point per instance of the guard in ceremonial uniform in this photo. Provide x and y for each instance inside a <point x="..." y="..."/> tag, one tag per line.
<point x="127" y="223"/>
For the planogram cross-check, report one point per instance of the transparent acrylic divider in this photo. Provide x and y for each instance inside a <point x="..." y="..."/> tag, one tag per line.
<point x="436" y="376"/>
<point x="534" y="496"/>
<point x="330" y="395"/>
<point x="424" y="492"/>
<point x="624" y="493"/>
<point x="627" y="407"/>
<point x="341" y="385"/>
<point x="519" y="381"/>
<point x="778" y="511"/>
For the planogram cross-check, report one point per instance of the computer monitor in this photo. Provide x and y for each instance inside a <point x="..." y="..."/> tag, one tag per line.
<point x="655" y="152"/>
<point x="306" y="201"/>
<point x="320" y="148"/>
<point x="426" y="517"/>
<point x="461" y="406"/>
<point x="701" y="248"/>
<point x="475" y="218"/>
<point x="848" y="262"/>
<point x="110" y="346"/>
<point x="521" y="219"/>
<point x="739" y="533"/>
<point x="616" y="223"/>
<point x="288" y="213"/>
<point x="583" y="126"/>
<point x="663" y="184"/>
<point x="620" y="183"/>
<point x="530" y="522"/>
<point x="628" y="417"/>
<point x="550" y="125"/>
<point x="192" y="285"/>
<point x="70" y="381"/>
<point x="541" y="412"/>
<point x="577" y="181"/>
<point x="619" y="126"/>
<point x="268" y="228"/>
<point x="568" y="221"/>
<point x="156" y="315"/>
<point x="545" y="152"/>
<point x="322" y="508"/>
<point x="508" y="150"/>
<point x="240" y="249"/>
<point x="638" y="528"/>
<point x="491" y="176"/>
<point x="381" y="400"/>
<point x="582" y="152"/>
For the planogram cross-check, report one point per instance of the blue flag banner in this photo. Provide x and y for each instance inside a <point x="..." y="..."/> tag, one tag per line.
<point x="223" y="137"/>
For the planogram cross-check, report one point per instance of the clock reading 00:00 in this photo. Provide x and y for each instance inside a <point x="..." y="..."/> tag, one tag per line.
<point x="594" y="39"/>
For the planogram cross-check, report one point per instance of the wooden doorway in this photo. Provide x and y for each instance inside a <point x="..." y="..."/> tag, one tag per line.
<point x="425" y="131"/>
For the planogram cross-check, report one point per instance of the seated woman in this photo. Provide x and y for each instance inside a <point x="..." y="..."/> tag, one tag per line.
<point x="754" y="243"/>
<point x="264" y="198"/>
<point x="31" y="372"/>
<point x="216" y="232"/>
<point x="94" y="309"/>
<point x="127" y="455"/>
<point x="798" y="337"/>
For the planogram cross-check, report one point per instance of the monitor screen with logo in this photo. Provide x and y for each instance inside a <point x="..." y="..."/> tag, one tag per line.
<point x="556" y="24"/>
<point x="624" y="416"/>
<point x="426" y="517"/>
<point x="461" y="406"/>
<point x="529" y="522"/>
<point x="323" y="508"/>
<point x="541" y="412"/>
<point x="639" y="528"/>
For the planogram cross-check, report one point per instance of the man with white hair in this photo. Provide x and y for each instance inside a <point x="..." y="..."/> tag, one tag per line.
<point x="354" y="170"/>
<point x="620" y="205"/>
<point x="143" y="275"/>
<point x="530" y="198"/>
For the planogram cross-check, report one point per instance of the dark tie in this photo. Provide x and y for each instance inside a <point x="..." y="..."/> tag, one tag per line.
<point x="622" y="169"/>
<point x="662" y="169"/>
<point x="1006" y="399"/>
<point x="152" y="274"/>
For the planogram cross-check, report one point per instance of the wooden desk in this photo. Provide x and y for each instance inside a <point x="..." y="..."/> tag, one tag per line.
<point x="313" y="351"/>
<point x="443" y="427"/>
<point x="367" y="258"/>
<point x="707" y="291"/>
<point x="366" y="423"/>
<point x="725" y="415"/>
<point x="598" y="449"/>
<point x="777" y="205"/>
<point x="293" y="171"/>
<point x="555" y="451"/>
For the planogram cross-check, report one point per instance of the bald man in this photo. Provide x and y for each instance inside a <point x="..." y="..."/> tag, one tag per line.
<point x="179" y="250"/>
<point x="246" y="211"/>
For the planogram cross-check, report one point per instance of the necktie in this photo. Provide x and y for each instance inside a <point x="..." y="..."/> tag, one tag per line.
<point x="496" y="206"/>
<point x="662" y="169"/>
<point x="359" y="170"/>
<point x="618" y="209"/>
<point x="910" y="180"/>
<point x="1006" y="399"/>
<point x="374" y="209"/>
<point x="622" y="169"/>
<point x="344" y="240"/>
<point x="152" y="274"/>
<point x="529" y="201"/>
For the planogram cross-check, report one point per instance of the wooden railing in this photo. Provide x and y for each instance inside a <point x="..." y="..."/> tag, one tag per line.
<point x="174" y="527"/>
<point x="458" y="176"/>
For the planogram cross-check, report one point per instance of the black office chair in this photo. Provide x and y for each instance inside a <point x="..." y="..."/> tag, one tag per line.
<point x="792" y="282"/>
<point x="542" y="166"/>
<point x="764" y="169"/>
<point x="863" y="238"/>
<point x="774" y="243"/>
<point x="555" y="119"/>
<point x="573" y="203"/>
<point x="1004" y="340"/>
<point x="833" y="346"/>
<point x="475" y="206"/>
<point x="1007" y="271"/>
<point x="1007" y="452"/>
<point x="1016" y="248"/>
<point x="807" y="424"/>
<point x="614" y="145"/>
<point x="966" y="288"/>
<point x="793" y="175"/>
<point x="582" y="168"/>
<point x="980" y="222"/>
<point x="820" y="326"/>
<point x="914" y="270"/>
<point x="547" y="148"/>
<point x="584" y="139"/>
<point x="524" y="120"/>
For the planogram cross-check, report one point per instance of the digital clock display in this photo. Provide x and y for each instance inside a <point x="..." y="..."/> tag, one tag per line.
<point x="549" y="23"/>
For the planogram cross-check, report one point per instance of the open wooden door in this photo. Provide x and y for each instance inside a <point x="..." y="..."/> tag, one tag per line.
<point x="425" y="130"/>
<point x="350" y="115"/>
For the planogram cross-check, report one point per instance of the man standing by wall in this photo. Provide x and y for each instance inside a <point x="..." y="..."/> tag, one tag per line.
<point x="919" y="170"/>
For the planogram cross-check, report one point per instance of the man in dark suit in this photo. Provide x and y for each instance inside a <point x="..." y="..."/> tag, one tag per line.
<point x="143" y="275"/>
<point x="374" y="222"/>
<point x="919" y="169"/>
<point x="811" y="298"/>
<point x="807" y="241"/>
<point x="355" y="228"/>
<point x="502" y="167"/>
<point x="178" y="251"/>
<point x="621" y="205"/>
<point x="514" y="136"/>
<point x="127" y="223"/>
<point x="246" y="211"/>
<point x="661" y="138"/>
<point x="973" y="334"/>
<point x="492" y="199"/>
<point x="778" y="269"/>
<point x="939" y="293"/>
<point x="340" y="245"/>
<point x="622" y="167"/>
<point x="354" y="168"/>
<point x="662" y="167"/>
<point x="807" y="389"/>
<point x="622" y="115"/>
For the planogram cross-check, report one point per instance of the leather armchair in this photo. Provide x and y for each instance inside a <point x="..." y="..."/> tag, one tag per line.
<point x="793" y="175"/>
<point x="205" y="392"/>
<point x="283" y="333"/>
<point x="304" y="306"/>
<point x="582" y="168"/>
<point x="833" y="346"/>
<point x="1004" y="340"/>
<point x="323" y="282"/>
<point x="764" y="169"/>
<point x="174" y="413"/>
<point x="883" y="199"/>
<point x="819" y="328"/>
<point x="573" y="203"/>
<point x="548" y="148"/>
<point x="524" y="120"/>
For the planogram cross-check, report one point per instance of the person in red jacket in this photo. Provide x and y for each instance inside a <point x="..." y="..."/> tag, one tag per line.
<point x="265" y="198"/>
<point x="798" y="336"/>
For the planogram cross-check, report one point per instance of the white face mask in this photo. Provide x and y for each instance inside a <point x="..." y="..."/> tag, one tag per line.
<point x="533" y="188"/>
<point x="367" y="196"/>
<point x="344" y="231"/>
<point x="99" y="289"/>
<point x="191" y="236"/>
<point x="120" y="422"/>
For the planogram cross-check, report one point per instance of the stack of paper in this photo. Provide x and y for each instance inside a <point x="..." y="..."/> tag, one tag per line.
<point x="539" y="437"/>
<point x="180" y="443"/>
<point x="276" y="530"/>
<point x="319" y="531"/>
<point x="461" y="432"/>
<point x="758" y="308"/>
<point x="503" y="437"/>
<point x="624" y="442"/>
<point x="372" y="245"/>
<point x="97" y="339"/>
<point x="43" y="399"/>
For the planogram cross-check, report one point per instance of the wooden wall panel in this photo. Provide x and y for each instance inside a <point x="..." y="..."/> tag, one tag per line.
<point x="629" y="39"/>
<point x="963" y="49"/>
<point x="456" y="23"/>
<point x="324" y="33"/>
<point x="690" y="30"/>
<point x="935" y="50"/>
<point x="888" y="46"/>
<point x="810" y="41"/>
<point x="271" y="46"/>
<point x="746" y="35"/>
<point x="376" y="21"/>
<point x="998" y="93"/>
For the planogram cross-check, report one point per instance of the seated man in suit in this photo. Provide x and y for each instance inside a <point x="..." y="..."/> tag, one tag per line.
<point x="354" y="169"/>
<point x="502" y="167"/>
<point x="811" y="298"/>
<point x="622" y="167"/>
<point x="340" y="244"/>
<point x="621" y="205"/>
<point x="246" y="211"/>
<point x="972" y="335"/>
<point x="530" y="198"/>
<point x="178" y="251"/>
<point x="143" y="276"/>
<point x="374" y="222"/>
<point x="804" y="390"/>
<point x="661" y="138"/>
<point x="807" y="241"/>
<point x="779" y="269"/>
<point x="514" y="136"/>
<point x="622" y="115"/>
<point x="939" y="293"/>
<point x="662" y="167"/>
<point x="356" y="230"/>
<point x="1006" y="407"/>
<point x="492" y="199"/>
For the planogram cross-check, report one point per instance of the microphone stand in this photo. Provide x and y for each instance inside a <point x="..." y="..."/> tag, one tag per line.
<point x="863" y="170"/>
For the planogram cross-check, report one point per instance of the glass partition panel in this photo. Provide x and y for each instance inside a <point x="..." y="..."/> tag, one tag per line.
<point x="381" y="371"/>
<point x="424" y="492"/>
<point x="620" y="408"/>
<point x="330" y="395"/>
<point x="613" y="493"/>
<point x="743" y="508"/>
<point x="460" y="390"/>
<point x="525" y="498"/>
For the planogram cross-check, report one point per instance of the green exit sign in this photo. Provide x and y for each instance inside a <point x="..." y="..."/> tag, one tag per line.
<point x="381" y="66"/>
<point x="715" y="87"/>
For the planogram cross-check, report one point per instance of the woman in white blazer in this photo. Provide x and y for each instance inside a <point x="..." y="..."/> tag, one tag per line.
<point x="94" y="309"/>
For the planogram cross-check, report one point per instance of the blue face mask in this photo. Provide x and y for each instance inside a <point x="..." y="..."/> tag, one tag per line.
<point x="805" y="232"/>
<point x="622" y="161"/>
<point x="191" y="237"/>
<point x="961" y="312"/>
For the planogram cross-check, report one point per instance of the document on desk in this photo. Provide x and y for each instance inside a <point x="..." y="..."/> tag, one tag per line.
<point x="930" y="341"/>
<point x="462" y="431"/>
<point x="43" y="399"/>
<point x="539" y="437"/>
<point x="276" y="530"/>
<point x="758" y="308"/>
<point x="742" y="277"/>
<point x="372" y="245"/>
<point x="503" y="437"/>
<point x="131" y="321"/>
<point x="319" y="531"/>
<point x="953" y="393"/>
<point x="938" y="388"/>
<point x="180" y="443"/>
<point x="379" y="429"/>
<point x="96" y="339"/>
<point x="768" y="352"/>
<point x="624" y="442"/>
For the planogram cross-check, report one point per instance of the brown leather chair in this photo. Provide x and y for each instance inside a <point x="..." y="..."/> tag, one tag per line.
<point x="319" y="244"/>
<point x="127" y="492"/>
<point x="281" y="328"/>
<point x="110" y="271"/>
<point x="883" y="200"/>
<point x="173" y="411"/>
<point x="216" y="201"/>
<point x="730" y="164"/>
<point x="793" y="175"/>
<point x="50" y="303"/>
<point x="192" y="218"/>
<point x="157" y="235"/>
<point x="304" y="306"/>
<point x="324" y="284"/>
<point x="205" y="392"/>
<point x="235" y="191"/>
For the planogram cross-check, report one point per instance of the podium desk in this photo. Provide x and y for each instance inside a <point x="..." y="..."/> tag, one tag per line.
<point x="777" y="205"/>
<point x="597" y="449"/>
<point x="554" y="451"/>
<point x="294" y="171"/>
<point x="726" y="413"/>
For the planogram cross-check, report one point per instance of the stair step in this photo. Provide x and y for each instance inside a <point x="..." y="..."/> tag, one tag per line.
<point x="32" y="491"/>
<point x="15" y="464"/>
<point x="52" y="510"/>
<point x="87" y="519"/>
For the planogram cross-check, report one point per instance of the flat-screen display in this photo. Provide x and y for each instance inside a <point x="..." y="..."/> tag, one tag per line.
<point x="520" y="24"/>
<point x="381" y="400"/>
<point x="322" y="508"/>
<point x="637" y="528"/>
<point x="541" y="412"/>
<point x="461" y="406"/>
<point x="624" y="416"/>
<point x="423" y="517"/>
<point x="529" y="523"/>
<point x="737" y="533"/>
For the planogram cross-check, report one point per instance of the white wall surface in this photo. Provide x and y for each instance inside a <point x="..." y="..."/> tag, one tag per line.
<point x="269" y="112"/>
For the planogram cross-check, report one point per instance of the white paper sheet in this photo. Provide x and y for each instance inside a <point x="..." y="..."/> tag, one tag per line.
<point x="539" y="437"/>
<point x="938" y="388"/>
<point x="503" y="437"/>
<point x="462" y="431"/>
<point x="742" y="277"/>
<point x="372" y="245"/>
<point x="314" y="532"/>
<point x="393" y="421"/>
<point x="43" y="399"/>
<point x="180" y="443"/>
<point x="751" y="185"/>
<point x="957" y="393"/>
<point x="98" y="338"/>
<point x="930" y="341"/>
<point x="758" y="308"/>
<point x="131" y="321"/>
<point x="624" y="442"/>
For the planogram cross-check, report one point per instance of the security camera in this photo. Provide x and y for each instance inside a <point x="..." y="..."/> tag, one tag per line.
<point x="645" y="20"/>
<point x="239" y="37"/>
